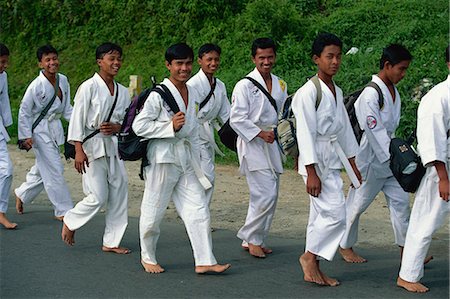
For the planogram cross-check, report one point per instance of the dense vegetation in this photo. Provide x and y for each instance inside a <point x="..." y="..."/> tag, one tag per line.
<point x="146" y="28"/>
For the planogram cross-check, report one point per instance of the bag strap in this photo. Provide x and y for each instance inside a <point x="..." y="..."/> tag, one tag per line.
<point x="167" y="96"/>
<point x="380" y="93"/>
<point x="265" y="92"/>
<point x="107" y="119"/>
<point x="206" y="100"/>
<point x="315" y="80"/>
<point x="44" y="112"/>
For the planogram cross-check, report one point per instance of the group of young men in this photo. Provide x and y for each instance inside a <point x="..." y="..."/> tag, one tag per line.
<point x="182" y="147"/>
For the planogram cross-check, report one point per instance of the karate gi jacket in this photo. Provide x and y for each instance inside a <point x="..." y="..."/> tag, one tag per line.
<point x="154" y="122"/>
<point x="5" y="107"/>
<point x="92" y="105"/>
<point x="317" y="128"/>
<point x="37" y="96"/>
<point x="252" y="112"/>
<point x="217" y="108"/>
<point x="379" y="127"/>
<point x="433" y="125"/>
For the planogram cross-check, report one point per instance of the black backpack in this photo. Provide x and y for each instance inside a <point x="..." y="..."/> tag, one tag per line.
<point x="131" y="146"/>
<point x="349" y="102"/>
<point x="405" y="164"/>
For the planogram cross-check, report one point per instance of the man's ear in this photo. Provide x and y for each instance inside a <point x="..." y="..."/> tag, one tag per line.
<point x="167" y="65"/>
<point x="315" y="58"/>
<point x="199" y="61"/>
<point x="98" y="62"/>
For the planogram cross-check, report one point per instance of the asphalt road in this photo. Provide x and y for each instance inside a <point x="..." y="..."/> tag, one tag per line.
<point x="35" y="263"/>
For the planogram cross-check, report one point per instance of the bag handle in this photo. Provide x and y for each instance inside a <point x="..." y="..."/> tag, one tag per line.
<point x="206" y="100"/>
<point x="44" y="112"/>
<point x="265" y="92"/>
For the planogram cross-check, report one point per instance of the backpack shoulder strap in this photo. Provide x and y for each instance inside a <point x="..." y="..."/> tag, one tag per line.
<point x="316" y="82"/>
<point x="206" y="100"/>
<point x="380" y="93"/>
<point x="265" y="92"/>
<point x="46" y="108"/>
<point x="167" y="96"/>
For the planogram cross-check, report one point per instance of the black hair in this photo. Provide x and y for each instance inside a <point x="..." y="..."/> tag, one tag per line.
<point x="4" y="50"/>
<point x="179" y="51"/>
<point x="263" y="43"/>
<point x="46" y="49"/>
<point x="394" y="53"/>
<point x="106" y="48"/>
<point x="447" y="54"/>
<point x="323" y="40"/>
<point x="207" y="48"/>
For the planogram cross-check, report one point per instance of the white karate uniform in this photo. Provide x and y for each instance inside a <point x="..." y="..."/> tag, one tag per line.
<point x="174" y="173"/>
<point x="216" y="110"/>
<point x="48" y="170"/>
<point x="429" y="211"/>
<point x="6" y="167"/>
<point x="320" y="134"/>
<point x="373" y="162"/>
<point x="105" y="180"/>
<point x="261" y="162"/>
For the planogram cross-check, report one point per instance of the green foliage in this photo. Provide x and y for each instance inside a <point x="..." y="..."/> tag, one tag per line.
<point x="146" y="28"/>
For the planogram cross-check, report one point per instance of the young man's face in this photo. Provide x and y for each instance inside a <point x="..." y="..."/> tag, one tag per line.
<point x="395" y="73"/>
<point x="264" y="60"/>
<point x="209" y="62"/>
<point x="329" y="60"/>
<point x="110" y="63"/>
<point x="49" y="63"/>
<point x="180" y="69"/>
<point x="4" y="60"/>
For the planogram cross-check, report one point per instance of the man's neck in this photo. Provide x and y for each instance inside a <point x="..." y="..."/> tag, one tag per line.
<point x="50" y="76"/>
<point x="210" y="77"/>
<point x="327" y="79"/>
<point x="382" y="75"/>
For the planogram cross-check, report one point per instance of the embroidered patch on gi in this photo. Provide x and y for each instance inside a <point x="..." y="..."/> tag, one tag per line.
<point x="371" y="122"/>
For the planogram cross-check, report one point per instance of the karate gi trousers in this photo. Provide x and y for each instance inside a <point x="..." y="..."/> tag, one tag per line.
<point x="263" y="186"/>
<point x="47" y="173"/>
<point x="359" y="200"/>
<point x="6" y="176"/>
<point x="326" y="224"/>
<point x="166" y="181"/>
<point x="208" y="167"/>
<point x="428" y="214"/>
<point x="102" y="185"/>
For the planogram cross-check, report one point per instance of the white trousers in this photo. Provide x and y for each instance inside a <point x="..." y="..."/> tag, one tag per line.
<point x="101" y="186"/>
<point x="207" y="156"/>
<point x="47" y="173"/>
<point x="263" y="187"/>
<point x="359" y="200"/>
<point x="326" y="223"/>
<point x="428" y="214"/>
<point x="6" y="176"/>
<point x="166" y="181"/>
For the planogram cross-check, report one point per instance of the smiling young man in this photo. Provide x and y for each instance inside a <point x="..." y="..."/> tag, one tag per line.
<point x="326" y="144"/>
<point x="48" y="171"/>
<point x="214" y="107"/>
<point x="99" y="109"/>
<point x="174" y="171"/>
<point x="6" y="167"/>
<point x="379" y="125"/>
<point x="253" y="117"/>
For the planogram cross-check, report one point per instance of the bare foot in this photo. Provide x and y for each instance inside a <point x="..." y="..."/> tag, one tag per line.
<point x="19" y="205"/>
<point x="150" y="268"/>
<point x="428" y="259"/>
<point x="68" y="235"/>
<point x="311" y="269"/>
<point x="118" y="250"/>
<point x="59" y="218"/>
<point x="350" y="256"/>
<point x="329" y="281"/>
<point x="217" y="268"/>
<point x="415" y="287"/>
<point x="264" y="249"/>
<point x="256" y="251"/>
<point x="6" y="223"/>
